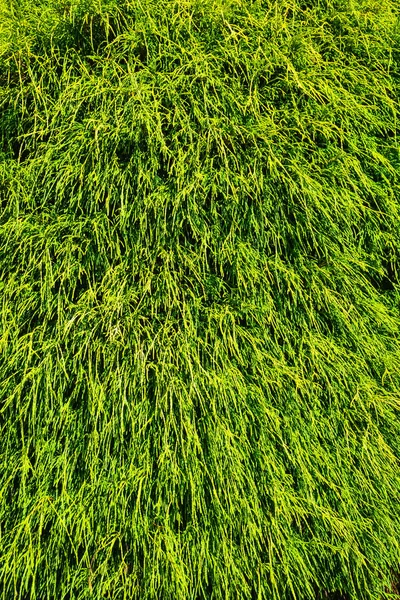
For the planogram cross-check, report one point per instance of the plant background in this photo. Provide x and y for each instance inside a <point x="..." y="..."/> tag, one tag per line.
<point x="199" y="260"/>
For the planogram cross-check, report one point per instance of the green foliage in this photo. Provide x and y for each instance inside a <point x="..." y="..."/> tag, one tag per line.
<point x="200" y="294"/>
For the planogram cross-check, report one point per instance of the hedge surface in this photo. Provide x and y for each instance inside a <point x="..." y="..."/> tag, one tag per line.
<point x="200" y="299"/>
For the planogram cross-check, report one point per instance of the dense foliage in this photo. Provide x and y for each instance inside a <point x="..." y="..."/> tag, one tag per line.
<point x="200" y="299"/>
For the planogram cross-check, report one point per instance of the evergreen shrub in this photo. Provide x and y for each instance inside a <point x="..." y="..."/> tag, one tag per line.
<point x="200" y="299"/>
